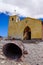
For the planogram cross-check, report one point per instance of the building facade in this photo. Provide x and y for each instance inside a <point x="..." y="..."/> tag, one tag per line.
<point x="28" y="28"/>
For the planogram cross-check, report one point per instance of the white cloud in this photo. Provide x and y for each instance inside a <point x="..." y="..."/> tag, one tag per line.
<point x="31" y="8"/>
<point x="1" y="0"/>
<point x="10" y="8"/>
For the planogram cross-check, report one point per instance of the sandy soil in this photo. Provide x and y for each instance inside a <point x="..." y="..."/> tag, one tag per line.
<point x="34" y="57"/>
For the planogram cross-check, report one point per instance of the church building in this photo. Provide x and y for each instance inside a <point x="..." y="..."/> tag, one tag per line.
<point x="26" y="29"/>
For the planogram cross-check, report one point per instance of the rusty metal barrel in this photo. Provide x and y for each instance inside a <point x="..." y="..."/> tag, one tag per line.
<point x="13" y="50"/>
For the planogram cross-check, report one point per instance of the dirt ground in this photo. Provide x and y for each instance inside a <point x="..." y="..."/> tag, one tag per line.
<point x="34" y="56"/>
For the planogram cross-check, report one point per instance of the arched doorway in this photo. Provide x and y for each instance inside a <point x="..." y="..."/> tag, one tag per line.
<point x="27" y="33"/>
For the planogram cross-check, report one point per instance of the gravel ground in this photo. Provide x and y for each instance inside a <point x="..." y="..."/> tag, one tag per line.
<point x="34" y="57"/>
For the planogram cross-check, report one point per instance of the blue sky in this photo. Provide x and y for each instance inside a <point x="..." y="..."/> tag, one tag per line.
<point x="4" y="24"/>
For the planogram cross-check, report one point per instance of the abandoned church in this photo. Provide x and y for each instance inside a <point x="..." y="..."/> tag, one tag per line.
<point x="27" y="29"/>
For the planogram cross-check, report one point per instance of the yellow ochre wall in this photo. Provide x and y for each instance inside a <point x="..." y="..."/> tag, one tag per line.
<point x="16" y="29"/>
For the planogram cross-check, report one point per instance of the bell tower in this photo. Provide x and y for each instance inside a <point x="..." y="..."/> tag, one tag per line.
<point x="13" y="24"/>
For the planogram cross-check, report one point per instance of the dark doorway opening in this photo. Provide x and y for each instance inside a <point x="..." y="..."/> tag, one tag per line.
<point x="27" y="33"/>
